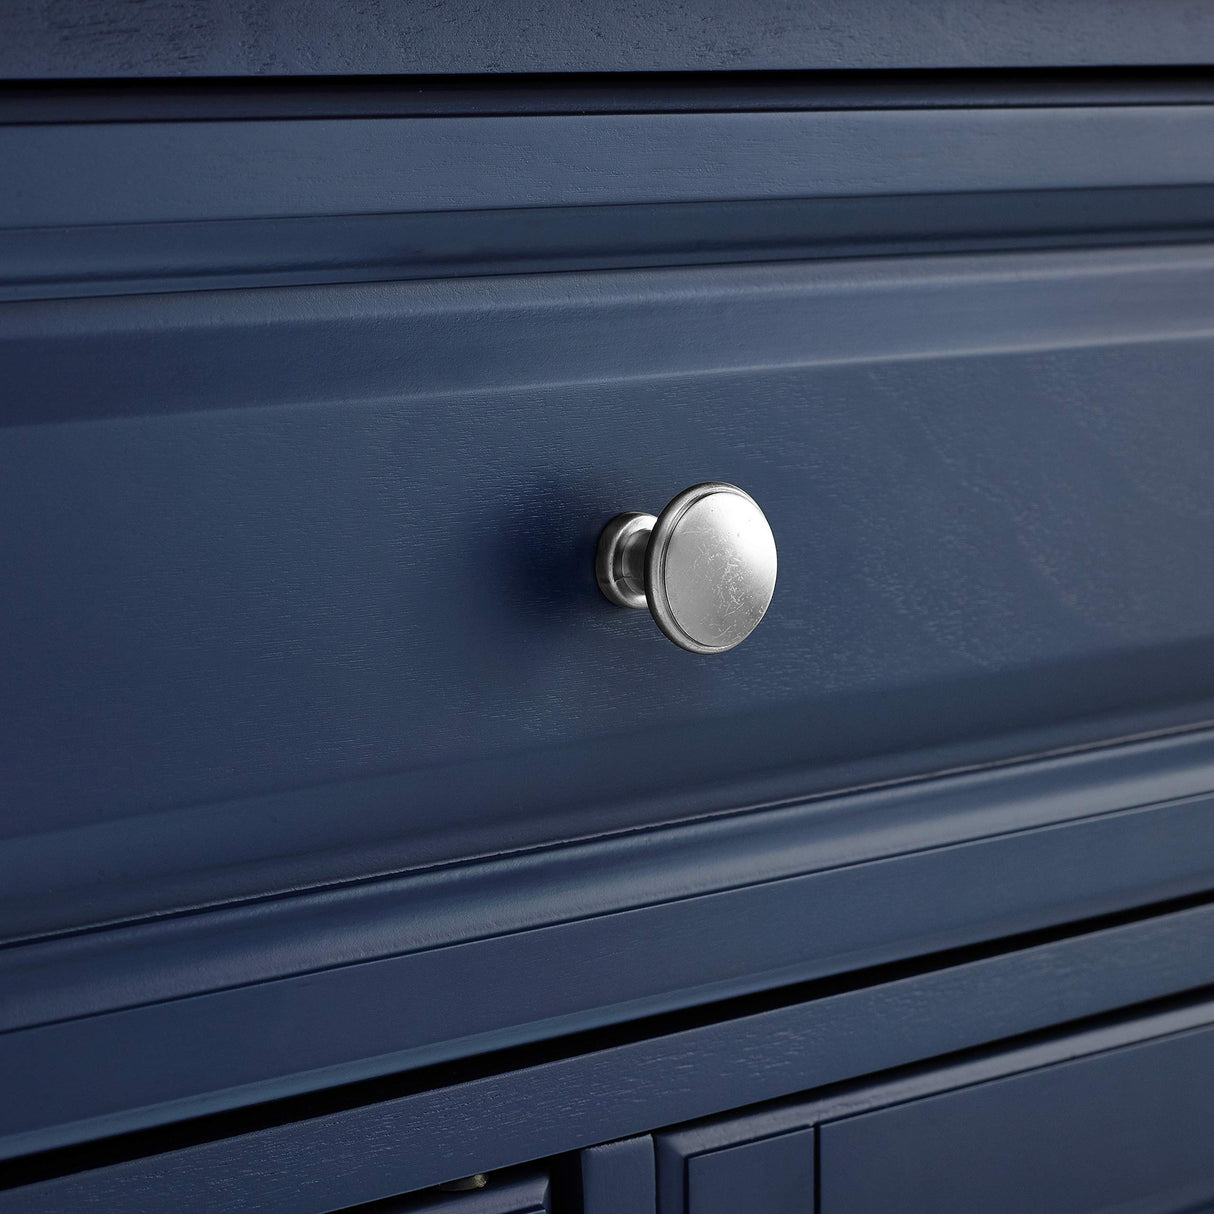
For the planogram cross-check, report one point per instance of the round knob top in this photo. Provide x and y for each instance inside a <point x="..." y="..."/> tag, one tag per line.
<point x="710" y="568"/>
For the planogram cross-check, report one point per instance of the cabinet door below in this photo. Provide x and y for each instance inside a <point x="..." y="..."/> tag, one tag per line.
<point x="1131" y="1130"/>
<point x="726" y="1168"/>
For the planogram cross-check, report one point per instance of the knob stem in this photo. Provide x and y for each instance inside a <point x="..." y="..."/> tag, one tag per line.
<point x="620" y="562"/>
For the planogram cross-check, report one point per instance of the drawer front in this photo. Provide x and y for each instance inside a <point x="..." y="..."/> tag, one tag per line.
<point x="300" y="583"/>
<point x="1129" y="1130"/>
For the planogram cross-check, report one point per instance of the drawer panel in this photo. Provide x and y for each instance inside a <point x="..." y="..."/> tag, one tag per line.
<point x="300" y="582"/>
<point x="1129" y="1130"/>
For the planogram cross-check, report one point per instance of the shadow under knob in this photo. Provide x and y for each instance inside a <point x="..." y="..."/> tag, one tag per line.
<point x="705" y="567"/>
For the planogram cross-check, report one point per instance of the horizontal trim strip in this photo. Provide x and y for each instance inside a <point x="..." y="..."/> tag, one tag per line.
<point x="209" y="99"/>
<point x="529" y="1111"/>
<point x="348" y="1023"/>
<point x="173" y="172"/>
<point x="39" y="263"/>
<point x="464" y="337"/>
<point x="106" y="970"/>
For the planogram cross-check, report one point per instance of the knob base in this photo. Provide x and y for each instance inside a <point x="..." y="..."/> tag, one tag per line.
<point x="619" y="564"/>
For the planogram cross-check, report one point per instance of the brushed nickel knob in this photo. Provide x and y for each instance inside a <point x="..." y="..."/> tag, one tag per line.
<point x="705" y="567"/>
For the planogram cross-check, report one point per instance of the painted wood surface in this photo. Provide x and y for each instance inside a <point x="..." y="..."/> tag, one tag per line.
<point x="316" y="1160"/>
<point x="1124" y="1130"/>
<point x="324" y="733"/>
<point x="143" y="258"/>
<point x="123" y="38"/>
<point x="1083" y="1124"/>
<point x="303" y="586"/>
<point x="774" y="1175"/>
<point x="1122" y="826"/>
<point x="131" y="172"/>
<point x="131" y="206"/>
<point x="619" y="1177"/>
<point x="351" y="1022"/>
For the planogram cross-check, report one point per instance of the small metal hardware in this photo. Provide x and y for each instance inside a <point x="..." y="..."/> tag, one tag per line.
<point x="705" y="567"/>
<point x="465" y="1184"/>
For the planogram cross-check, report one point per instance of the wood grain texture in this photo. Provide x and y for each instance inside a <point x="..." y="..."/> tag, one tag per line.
<point x="303" y="592"/>
<point x="322" y="556"/>
<point x="324" y="1161"/>
<point x="123" y="38"/>
<point x="619" y="1177"/>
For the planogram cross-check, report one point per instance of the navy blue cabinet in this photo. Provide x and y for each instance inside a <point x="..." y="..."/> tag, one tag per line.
<point x="352" y="843"/>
